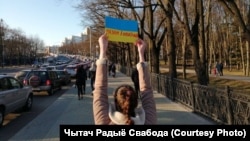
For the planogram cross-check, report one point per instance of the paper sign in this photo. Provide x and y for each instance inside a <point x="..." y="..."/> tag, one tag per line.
<point x="120" y="30"/>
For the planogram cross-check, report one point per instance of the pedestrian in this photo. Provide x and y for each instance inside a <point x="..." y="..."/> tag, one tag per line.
<point x="113" y="69"/>
<point x="221" y="69"/>
<point x="92" y="74"/>
<point x="124" y="110"/>
<point x="135" y="79"/>
<point x="85" y="77"/>
<point x="110" y="66"/>
<point x="80" y="80"/>
<point x="218" y="71"/>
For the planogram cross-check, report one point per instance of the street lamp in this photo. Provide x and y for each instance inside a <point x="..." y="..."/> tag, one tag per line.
<point x="90" y="48"/>
<point x="2" y="34"/>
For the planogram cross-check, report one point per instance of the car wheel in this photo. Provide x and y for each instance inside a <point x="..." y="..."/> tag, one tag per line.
<point x="1" y="116"/>
<point x="29" y="103"/>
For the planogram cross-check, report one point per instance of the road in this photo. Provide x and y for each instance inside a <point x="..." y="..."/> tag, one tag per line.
<point x="15" y="121"/>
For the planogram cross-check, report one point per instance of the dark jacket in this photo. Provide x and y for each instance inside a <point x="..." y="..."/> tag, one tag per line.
<point x="92" y="75"/>
<point x="113" y="67"/>
<point x="81" y="76"/>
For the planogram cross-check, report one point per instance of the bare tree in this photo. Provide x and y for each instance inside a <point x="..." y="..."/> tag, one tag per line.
<point x="195" y="37"/>
<point x="232" y="8"/>
<point x="167" y="6"/>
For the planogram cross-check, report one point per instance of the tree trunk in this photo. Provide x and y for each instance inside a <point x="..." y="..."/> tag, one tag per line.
<point x="155" y="59"/>
<point x="196" y="42"/>
<point x="247" y="58"/>
<point x="184" y="44"/>
<point x="171" y="42"/>
<point x="242" y="57"/>
<point x="207" y="42"/>
<point x="203" y="77"/>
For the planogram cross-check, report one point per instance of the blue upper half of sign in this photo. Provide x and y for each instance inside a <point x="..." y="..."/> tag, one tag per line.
<point x="121" y="24"/>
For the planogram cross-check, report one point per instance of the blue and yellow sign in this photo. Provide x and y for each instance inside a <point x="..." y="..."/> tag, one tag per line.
<point x="120" y="30"/>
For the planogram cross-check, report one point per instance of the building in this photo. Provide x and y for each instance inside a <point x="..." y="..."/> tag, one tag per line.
<point x="75" y="39"/>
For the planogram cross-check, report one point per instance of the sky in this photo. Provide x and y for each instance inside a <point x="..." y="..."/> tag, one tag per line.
<point x="50" y="20"/>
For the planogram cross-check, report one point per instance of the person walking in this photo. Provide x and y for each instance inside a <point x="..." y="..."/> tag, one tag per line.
<point x="218" y="69"/>
<point x="125" y="109"/>
<point x="221" y="68"/>
<point x="85" y="77"/>
<point x="113" y="69"/>
<point x="110" y="66"/>
<point x="92" y="74"/>
<point x="80" y="80"/>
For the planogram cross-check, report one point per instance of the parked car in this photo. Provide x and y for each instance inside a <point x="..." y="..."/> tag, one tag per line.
<point x="51" y="68"/>
<point x="71" y="69"/>
<point x="35" y="65"/>
<point x="64" y="77"/>
<point x="22" y="74"/>
<point x="43" y="80"/>
<point x="13" y="96"/>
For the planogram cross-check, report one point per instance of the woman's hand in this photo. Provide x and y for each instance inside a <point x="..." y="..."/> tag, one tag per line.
<point x="141" y="45"/>
<point x="103" y="43"/>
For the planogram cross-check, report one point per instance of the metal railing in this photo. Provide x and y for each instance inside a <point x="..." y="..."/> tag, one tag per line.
<point x="224" y="106"/>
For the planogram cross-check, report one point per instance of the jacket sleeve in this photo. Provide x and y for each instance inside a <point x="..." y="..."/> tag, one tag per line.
<point x="147" y="98"/>
<point x="100" y="97"/>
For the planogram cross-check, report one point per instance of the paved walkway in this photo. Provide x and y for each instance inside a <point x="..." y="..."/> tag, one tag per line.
<point x="67" y="109"/>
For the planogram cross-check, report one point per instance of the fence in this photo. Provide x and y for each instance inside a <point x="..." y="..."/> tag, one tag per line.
<point x="224" y="106"/>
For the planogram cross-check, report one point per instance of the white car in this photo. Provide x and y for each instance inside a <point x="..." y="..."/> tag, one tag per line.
<point x="13" y="96"/>
<point x="71" y="69"/>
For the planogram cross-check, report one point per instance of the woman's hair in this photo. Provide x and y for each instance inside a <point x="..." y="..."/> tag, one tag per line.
<point x="126" y="100"/>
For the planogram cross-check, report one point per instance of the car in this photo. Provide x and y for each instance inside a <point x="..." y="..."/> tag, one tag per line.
<point x="43" y="81"/>
<point x="64" y="77"/>
<point x="13" y="96"/>
<point x="51" y="68"/>
<point x="22" y="74"/>
<point x="71" y="69"/>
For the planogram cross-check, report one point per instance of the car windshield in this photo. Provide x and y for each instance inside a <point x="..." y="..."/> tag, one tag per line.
<point x="21" y="73"/>
<point x="41" y="74"/>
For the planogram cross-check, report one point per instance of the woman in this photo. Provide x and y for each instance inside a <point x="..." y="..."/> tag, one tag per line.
<point x="92" y="75"/>
<point x="124" y="111"/>
<point x="113" y="69"/>
<point x="80" y="81"/>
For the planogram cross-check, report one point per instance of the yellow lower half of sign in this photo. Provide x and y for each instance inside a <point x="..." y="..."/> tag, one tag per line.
<point x="121" y="36"/>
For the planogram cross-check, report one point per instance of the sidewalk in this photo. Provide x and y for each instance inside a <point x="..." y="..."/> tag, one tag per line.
<point x="67" y="109"/>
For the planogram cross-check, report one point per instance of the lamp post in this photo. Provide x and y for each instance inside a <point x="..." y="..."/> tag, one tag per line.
<point x="2" y="34"/>
<point x="90" y="48"/>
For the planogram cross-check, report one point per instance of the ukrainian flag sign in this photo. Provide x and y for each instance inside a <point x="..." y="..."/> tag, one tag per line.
<point x="120" y="30"/>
